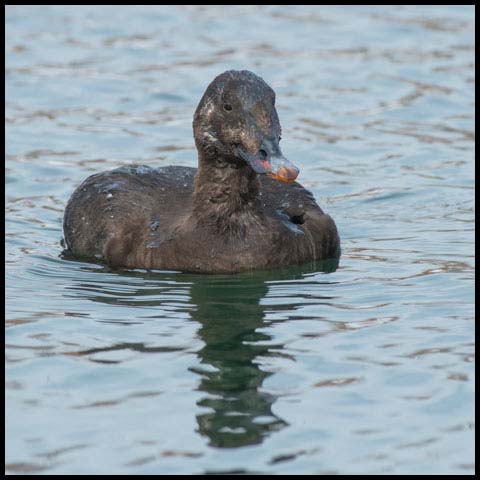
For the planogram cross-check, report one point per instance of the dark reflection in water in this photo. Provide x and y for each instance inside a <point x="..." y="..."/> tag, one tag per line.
<point x="229" y="311"/>
<point x="230" y="315"/>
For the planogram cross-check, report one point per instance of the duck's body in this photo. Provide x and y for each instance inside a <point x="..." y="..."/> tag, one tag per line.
<point x="221" y="218"/>
<point x="122" y="224"/>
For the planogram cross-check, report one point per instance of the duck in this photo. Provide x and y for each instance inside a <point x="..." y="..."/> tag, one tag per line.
<point x="240" y="210"/>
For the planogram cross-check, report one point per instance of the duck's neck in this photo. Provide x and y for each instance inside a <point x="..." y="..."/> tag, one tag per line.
<point x="226" y="196"/>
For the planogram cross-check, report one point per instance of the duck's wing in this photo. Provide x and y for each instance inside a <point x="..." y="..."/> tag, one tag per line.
<point x="126" y="206"/>
<point x="289" y="198"/>
<point x="293" y="203"/>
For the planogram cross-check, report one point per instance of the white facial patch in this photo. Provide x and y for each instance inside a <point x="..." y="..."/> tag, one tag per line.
<point x="208" y="108"/>
<point x="210" y="137"/>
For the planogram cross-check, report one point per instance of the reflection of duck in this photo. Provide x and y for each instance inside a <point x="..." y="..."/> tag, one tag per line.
<point x="230" y="315"/>
<point x="230" y="215"/>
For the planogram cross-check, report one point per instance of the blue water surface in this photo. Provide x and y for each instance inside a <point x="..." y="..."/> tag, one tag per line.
<point x="366" y="370"/>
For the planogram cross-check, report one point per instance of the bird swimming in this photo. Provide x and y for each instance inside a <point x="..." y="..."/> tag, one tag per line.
<point x="240" y="210"/>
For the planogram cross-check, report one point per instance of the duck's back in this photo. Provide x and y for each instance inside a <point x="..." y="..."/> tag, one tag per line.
<point x="114" y="212"/>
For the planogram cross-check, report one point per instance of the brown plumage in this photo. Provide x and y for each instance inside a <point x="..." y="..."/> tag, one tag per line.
<point x="240" y="210"/>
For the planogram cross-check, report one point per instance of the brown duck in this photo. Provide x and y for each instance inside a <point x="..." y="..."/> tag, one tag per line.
<point x="240" y="210"/>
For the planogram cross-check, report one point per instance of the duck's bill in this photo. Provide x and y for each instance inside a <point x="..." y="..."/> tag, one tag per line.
<point x="275" y="166"/>
<point x="282" y="170"/>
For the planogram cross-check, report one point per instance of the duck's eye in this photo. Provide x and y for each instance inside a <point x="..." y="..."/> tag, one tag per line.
<point x="227" y="107"/>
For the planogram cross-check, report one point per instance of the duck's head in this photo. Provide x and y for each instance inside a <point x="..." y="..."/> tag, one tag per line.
<point x="236" y="122"/>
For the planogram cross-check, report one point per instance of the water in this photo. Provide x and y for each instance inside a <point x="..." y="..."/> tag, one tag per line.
<point x="368" y="369"/>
